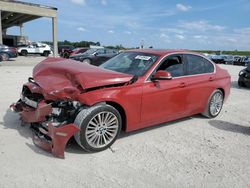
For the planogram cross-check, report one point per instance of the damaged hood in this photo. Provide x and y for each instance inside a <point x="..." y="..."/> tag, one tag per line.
<point x="56" y="74"/>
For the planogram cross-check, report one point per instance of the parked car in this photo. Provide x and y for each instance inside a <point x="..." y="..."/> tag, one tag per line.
<point x="65" y="50"/>
<point x="248" y="61"/>
<point x="244" y="77"/>
<point x="228" y="59"/>
<point x="78" y="51"/>
<point x="218" y="59"/>
<point x="240" y="60"/>
<point x="7" y="52"/>
<point x="95" y="56"/>
<point x="134" y="90"/>
<point x="35" y="48"/>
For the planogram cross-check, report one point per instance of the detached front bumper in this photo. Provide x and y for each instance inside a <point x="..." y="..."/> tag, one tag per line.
<point x="59" y="138"/>
<point x="50" y="138"/>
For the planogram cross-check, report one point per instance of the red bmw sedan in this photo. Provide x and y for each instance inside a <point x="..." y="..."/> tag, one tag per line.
<point x="133" y="90"/>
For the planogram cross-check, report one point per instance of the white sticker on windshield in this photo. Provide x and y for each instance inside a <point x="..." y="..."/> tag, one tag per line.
<point x="142" y="57"/>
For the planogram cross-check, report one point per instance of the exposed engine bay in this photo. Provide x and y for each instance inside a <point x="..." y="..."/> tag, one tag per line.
<point x="48" y="119"/>
<point x="52" y="99"/>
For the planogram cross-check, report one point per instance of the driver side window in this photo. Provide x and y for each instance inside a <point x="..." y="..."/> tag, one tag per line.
<point x="174" y="65"/>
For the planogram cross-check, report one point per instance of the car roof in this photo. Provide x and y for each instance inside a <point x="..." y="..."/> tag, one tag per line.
<point x="160" y="52"/>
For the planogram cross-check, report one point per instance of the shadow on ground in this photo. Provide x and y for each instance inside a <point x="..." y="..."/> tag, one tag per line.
<point x="232" y="127"/>
<point x="144" y="130"/>
<point x="234" y="84"/>
<point x="12" y="120"/>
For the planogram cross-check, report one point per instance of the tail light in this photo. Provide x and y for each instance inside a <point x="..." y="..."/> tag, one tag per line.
<point x="13" y="49"/>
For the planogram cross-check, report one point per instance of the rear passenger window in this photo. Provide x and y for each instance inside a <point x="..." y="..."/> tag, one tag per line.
<point x="198" y="65"/>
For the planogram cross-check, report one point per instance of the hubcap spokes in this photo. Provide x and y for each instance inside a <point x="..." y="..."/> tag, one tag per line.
<point x="5" y="57"/>
<point x="101" y="129"/>
<point x="216" y="104"/>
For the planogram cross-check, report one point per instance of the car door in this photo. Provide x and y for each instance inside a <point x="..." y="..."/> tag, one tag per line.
<point x="31" y="49"/>
<point x="165" y="100"/>
<point x="200" y="78"/>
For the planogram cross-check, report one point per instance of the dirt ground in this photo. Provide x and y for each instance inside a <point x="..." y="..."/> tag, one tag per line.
<point x="191" y="152"/>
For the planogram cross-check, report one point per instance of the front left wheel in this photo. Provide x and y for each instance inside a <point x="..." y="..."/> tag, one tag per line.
<point x="99" y="126"/>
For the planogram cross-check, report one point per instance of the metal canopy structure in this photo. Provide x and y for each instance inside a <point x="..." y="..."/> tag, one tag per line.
<point x="16" y="13"/>
<point x="10" y="19"/>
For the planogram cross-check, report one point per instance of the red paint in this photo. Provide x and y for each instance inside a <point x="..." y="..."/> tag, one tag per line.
<point x="162" y="75"/>
<point x="60" y="78"/>
<point x="78" y="51"/>
<point x="31" y="115"/>
<point x="145" y="102"/>
<point x="59" y="138"/>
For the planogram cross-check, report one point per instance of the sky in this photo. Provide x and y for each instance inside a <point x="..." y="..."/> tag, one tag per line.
<point x="193" y="24"/>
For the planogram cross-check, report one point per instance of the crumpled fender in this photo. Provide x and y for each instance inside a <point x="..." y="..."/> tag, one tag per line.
<point x="59" y="138"/>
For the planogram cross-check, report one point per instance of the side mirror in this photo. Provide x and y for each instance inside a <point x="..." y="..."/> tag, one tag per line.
<point x="161" y="75"/>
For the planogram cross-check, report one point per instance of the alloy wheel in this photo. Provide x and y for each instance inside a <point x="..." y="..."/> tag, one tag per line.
<point x="5" y="57"/>
<point x="216" y="103"/>
<point x="102" y="129"/>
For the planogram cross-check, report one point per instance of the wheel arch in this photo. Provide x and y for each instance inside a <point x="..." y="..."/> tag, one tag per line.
<point x="222" y="90"/>
<point x="120" y="109"/>
<point x="122" y="112"/>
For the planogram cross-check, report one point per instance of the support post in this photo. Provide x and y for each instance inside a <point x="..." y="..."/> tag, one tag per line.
<point x="1" y="30"/>
<point x="21" y="30"/>
<point x="54" y="31"/>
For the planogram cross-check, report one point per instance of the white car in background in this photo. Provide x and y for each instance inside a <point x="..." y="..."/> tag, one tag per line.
<point x="35" y="48"/>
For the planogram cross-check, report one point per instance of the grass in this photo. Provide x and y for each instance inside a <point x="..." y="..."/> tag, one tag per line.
<point x="240" y="53"/>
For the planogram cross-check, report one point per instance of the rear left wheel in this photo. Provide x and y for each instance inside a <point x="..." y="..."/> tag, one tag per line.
<point x="215" y="104"/>
<point x="99" y="126"/>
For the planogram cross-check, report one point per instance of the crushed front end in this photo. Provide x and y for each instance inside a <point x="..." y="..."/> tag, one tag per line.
<point x="52" y="121"/>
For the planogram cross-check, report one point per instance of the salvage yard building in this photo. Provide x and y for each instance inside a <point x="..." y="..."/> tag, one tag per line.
<point x="16" y="13"/>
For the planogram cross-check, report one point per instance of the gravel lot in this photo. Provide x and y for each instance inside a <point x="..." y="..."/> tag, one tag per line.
<point x="191" y="152"/>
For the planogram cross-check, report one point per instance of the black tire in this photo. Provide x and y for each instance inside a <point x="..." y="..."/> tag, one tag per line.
<point x="5" y="56"/>
<point x="66" y="55"/>
<point x="83" y="120"/>
<point x="241" y="83"/>
<point x="46" y="53"/>
<point x="208" y="112"/>
<point x="88" y="61"/>
<point x="24" y="53"/>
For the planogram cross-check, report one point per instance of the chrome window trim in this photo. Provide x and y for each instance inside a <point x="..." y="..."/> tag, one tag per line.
<point x="184" y="53"/>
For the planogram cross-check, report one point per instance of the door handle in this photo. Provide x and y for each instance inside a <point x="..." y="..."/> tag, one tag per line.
<point x="182" y="84"/>
<point x="211" y="78"/>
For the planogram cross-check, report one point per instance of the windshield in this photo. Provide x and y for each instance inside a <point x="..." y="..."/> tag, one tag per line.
<point x="90" y="51"/>
<point x="135" y="63"/>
